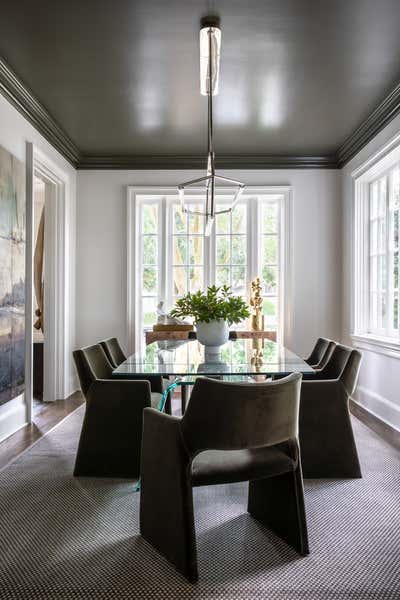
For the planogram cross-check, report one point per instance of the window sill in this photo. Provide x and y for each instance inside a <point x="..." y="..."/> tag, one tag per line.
<point x="380" y="345"/>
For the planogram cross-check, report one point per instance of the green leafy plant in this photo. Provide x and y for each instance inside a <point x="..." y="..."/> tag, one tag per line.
<point x="214" y="304"/>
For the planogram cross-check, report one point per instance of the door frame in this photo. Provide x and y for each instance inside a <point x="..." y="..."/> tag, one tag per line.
<point x="56" y="285"/>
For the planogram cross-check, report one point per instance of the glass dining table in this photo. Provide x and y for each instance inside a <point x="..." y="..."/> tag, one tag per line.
<point x="182" y="361"/>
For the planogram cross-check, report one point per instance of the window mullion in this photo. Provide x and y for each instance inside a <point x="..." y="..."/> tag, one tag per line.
<point x="230" y="247"/>
<point x="253" y="239"/>
<point x="388" y="257"/>
<point x="163" y="253"/>
<point x="280" y="272"/>
<point x="138" y="271"/>
<point x="209" y="258"/>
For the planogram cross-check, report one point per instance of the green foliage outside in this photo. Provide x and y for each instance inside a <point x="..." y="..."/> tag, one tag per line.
<point x="270" y="249"/>
<point x="269" y="277"/>
<point x="269" y="307"/>
<point x="270" y="219"/>
<point x="215" y="304"/>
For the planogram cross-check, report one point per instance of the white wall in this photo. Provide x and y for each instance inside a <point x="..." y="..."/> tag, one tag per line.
<point x="101" y="249"/>
<point x="379" y="384"/>
<point x="15" y="131"/>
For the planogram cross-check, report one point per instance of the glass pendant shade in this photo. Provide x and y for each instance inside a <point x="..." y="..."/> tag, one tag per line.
<point x="215" y="35"/>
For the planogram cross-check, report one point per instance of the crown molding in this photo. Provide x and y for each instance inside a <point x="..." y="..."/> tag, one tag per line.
<point x="172" y="162"/>
<point x="29" y="106"/>
<point x="373" y="124"/>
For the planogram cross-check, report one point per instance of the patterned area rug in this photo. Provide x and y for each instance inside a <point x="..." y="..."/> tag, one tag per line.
<point x="69" y="538"/>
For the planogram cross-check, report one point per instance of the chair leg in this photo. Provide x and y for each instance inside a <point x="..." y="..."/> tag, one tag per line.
<point x="184" y="395"/>
<point x="278" y="503"/>
<point x="168" y="404"/>
<point x="168" y="525"/>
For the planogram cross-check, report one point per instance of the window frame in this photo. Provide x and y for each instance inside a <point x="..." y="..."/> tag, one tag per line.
<point x="385" y="340"/>
<point x="164" y="196"/>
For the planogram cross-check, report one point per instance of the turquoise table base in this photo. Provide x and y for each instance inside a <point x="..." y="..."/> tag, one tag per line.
<point x="161" y="406"/>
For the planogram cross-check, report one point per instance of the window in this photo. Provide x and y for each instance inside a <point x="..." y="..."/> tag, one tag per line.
<point x="376" y="253"/>
<point x="150" y="271"/>
<point x="384" y="254"/>
<point x="188" y="266"/>
<point x="169" y="254"/>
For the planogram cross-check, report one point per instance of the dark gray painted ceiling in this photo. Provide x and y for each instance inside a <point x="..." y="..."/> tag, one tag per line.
<point x="122" y="77"/>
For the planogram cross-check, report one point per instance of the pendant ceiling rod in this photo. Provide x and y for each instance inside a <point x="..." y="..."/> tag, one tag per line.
<point x="210" y="95"/>
<point x="210" y="42"/>
<point x="210" y="167"/>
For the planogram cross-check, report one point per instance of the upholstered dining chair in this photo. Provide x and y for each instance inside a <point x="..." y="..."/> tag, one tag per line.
<point x="326" y="356"/>
<point x="114" y="352"/>
<point x="318" y="352"/>
<point x="334" y="366"/>
<point x="230" y="432"/>
<point x="111" y="435"/>
<point x="328" y="448"/>
<point x="116" y="356"/>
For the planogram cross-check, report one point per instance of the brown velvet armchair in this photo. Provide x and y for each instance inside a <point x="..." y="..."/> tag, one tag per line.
<point x="116" y="356"/>
<point x="318" y="352"/>
<point x="113" y="350"/>
<point x="111" y="435"/>
<point x="328" y="448"/>
<point x="334" y="366"/>
<point x="230" y="432"/>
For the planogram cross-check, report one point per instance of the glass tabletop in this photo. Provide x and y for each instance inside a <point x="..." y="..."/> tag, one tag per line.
<point x="236" y="357"/>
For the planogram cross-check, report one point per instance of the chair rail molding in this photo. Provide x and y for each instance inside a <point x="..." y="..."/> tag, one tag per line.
<point x="24" y="100"/>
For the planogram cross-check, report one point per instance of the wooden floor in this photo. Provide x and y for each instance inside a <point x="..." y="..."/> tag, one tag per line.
<point x="45" y="416"/>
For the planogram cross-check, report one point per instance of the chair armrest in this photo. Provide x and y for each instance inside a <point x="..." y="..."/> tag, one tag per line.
<point x="166" y="504"/>
<point x="163" y="451"/>
<point x="313" y="376"/>
<point x="319" y="403"/>
<point x="103" y="390"/>
<point x="319" y="389"/>
<point x="154" y="380"/>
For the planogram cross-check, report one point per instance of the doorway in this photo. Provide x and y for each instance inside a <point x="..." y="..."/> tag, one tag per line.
<point x="47" y="316"/>
<point x="39" y="197"/>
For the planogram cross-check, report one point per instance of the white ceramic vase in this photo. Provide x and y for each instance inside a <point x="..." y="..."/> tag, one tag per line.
<point x="213" y="334"/>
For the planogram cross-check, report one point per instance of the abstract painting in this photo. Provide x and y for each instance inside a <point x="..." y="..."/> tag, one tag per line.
<point x="12" y="276"/>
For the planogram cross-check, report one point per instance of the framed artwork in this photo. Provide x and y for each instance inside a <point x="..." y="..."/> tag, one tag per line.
<point x="12" y="276"/>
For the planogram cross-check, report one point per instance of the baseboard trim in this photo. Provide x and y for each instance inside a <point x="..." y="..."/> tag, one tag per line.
<point x="13" y="416"/>
<point x="384" y="429"/>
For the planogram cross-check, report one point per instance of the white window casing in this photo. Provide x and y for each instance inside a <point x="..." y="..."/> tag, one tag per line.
<point x="164" y="234"/>
<point x="375" y="290"/>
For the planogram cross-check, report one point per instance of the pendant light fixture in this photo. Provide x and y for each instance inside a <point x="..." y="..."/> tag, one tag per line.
<point x="210" y="49"/>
